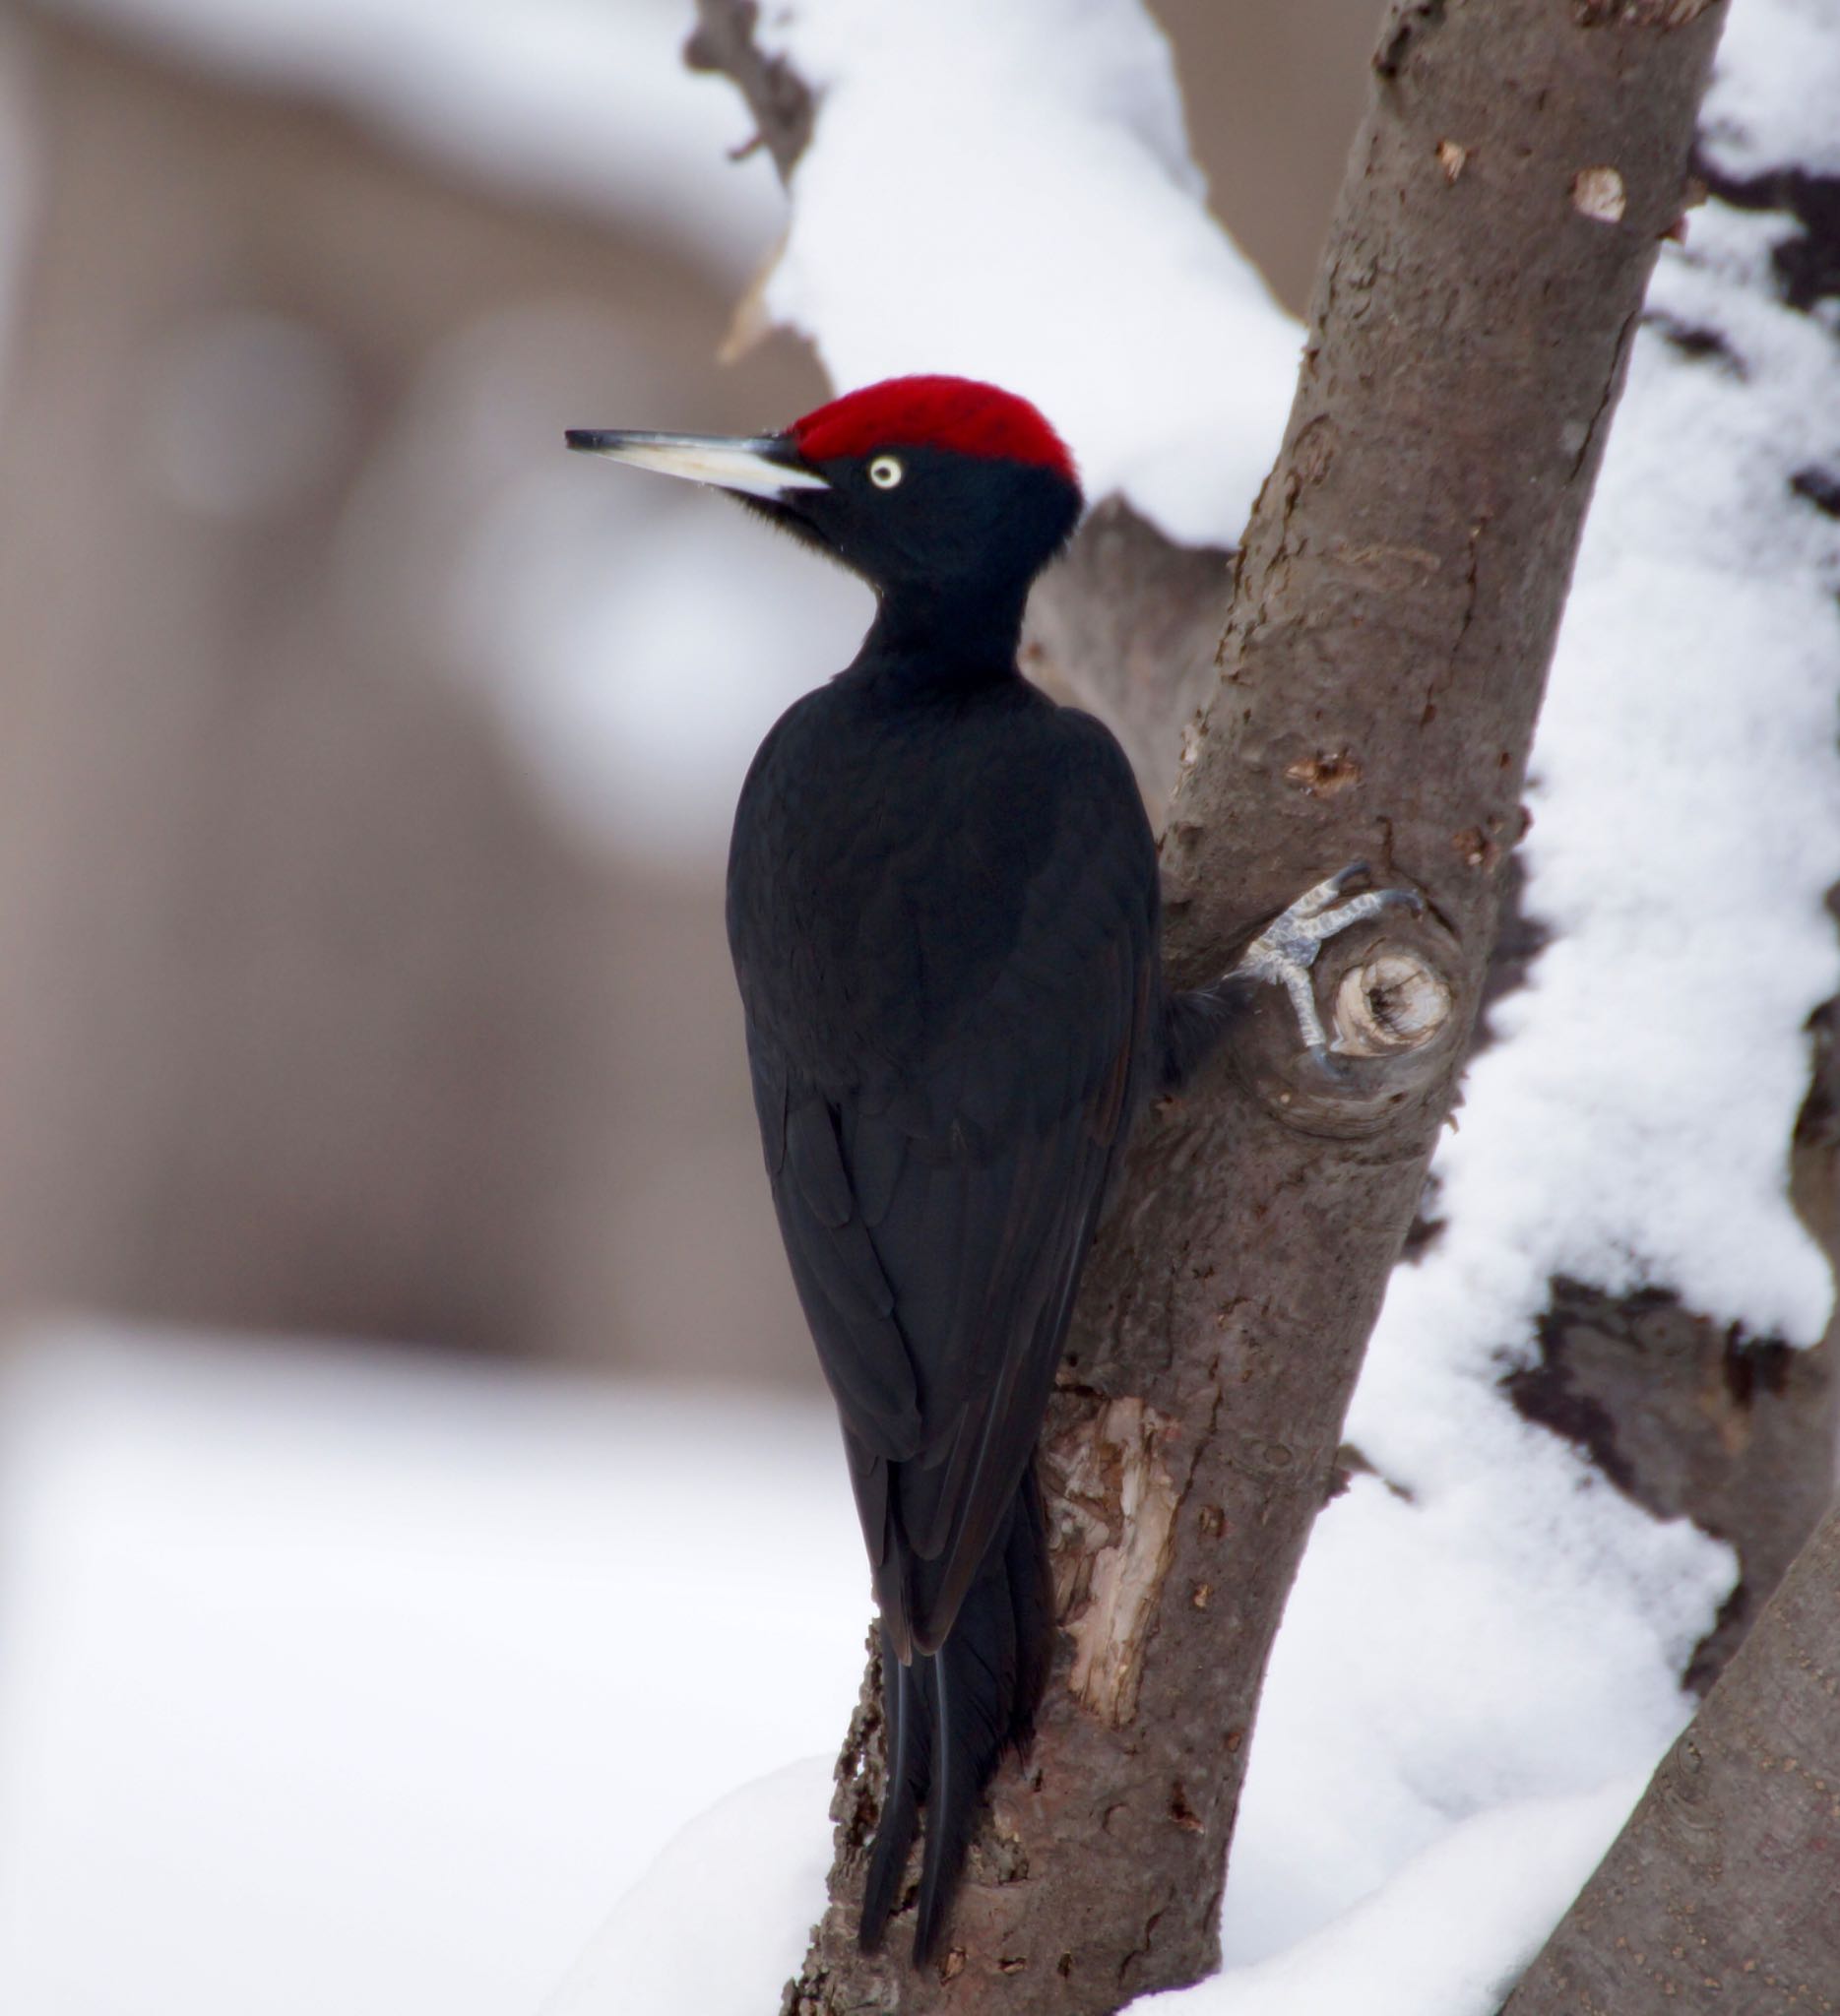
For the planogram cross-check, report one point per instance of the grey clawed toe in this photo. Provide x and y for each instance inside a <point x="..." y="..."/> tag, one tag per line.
<point x="1283" y="953"/>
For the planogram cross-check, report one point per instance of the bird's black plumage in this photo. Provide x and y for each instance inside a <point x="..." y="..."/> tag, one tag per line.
<point x="942" y="903"/>
<point x="943" y="908"/>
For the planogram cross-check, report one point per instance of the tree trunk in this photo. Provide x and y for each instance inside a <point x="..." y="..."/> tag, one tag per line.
<point x="1724" y="1889"/>
<point x="1391" y="618"/>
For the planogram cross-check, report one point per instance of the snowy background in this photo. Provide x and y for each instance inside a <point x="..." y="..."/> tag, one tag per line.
<point x="342" y="1677"/>
<point x="335" y="1682"/>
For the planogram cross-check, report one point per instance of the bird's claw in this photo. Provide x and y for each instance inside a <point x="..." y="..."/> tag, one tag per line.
<point x="1327" y="1062"/>
<point x="1285" y="951"/>
<point x="1315" y="901"/>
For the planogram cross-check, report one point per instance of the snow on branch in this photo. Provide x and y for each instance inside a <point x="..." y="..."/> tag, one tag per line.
<point x="1007" y="192"/>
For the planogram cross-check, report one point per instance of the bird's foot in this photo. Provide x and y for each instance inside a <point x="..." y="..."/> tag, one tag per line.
<point x="1284" y="952"/>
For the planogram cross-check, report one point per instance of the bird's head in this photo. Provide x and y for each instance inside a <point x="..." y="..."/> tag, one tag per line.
<point x="938" y="491"/>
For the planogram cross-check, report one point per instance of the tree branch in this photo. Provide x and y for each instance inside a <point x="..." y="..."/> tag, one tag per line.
<point x="1719" y="1892"/>
<point x="723" y="41"/>
<point x="1392" y="619"/>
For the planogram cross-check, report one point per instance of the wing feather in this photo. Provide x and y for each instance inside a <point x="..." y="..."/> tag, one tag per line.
<point x="938" y="1216"/>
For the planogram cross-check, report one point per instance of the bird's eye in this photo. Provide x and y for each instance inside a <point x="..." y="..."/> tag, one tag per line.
<point x="885" y="471"/>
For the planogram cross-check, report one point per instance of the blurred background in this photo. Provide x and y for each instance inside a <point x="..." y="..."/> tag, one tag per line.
<point x="374" y="1133"/>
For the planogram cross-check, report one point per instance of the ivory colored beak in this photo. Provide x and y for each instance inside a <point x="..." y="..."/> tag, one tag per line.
<point x="765" y="465"/>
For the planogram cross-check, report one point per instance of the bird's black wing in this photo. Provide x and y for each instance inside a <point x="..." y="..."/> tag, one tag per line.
<point x="938" y="1216"/>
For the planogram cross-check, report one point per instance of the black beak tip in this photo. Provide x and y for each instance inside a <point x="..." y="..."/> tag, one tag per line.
<point x="583" y="437"/>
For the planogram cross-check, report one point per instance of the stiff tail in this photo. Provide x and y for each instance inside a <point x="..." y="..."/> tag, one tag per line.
<point x="950" y="1715"/>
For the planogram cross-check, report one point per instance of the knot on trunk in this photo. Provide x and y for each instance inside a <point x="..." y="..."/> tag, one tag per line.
<point x="1395" y="1018"/>
<point x="1394" y="1001"/>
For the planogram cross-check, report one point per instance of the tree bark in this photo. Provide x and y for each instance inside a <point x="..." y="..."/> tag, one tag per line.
<point x="1391" y="618"/>
<point x="1724" y="1889"/>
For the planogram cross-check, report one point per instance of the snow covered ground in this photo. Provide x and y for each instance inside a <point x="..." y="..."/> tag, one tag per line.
<point x="337" y="1684"/>
<point x="331" y="1683"/>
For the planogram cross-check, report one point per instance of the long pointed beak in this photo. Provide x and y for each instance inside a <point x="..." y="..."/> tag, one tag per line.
<point x="761" y="466"/>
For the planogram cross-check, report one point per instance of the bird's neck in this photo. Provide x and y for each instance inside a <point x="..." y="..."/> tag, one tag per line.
<point x="937" y="634"/>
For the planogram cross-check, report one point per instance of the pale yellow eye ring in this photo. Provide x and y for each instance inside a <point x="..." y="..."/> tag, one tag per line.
<point x="885" y="471"/>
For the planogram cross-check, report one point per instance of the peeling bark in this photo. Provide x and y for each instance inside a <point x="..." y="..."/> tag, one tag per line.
<point x="1391" y="618"/>
<point x="1113" y="1510"/>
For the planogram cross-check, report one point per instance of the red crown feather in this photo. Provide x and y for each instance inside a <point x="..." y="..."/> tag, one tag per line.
<point x="959" y="414"/>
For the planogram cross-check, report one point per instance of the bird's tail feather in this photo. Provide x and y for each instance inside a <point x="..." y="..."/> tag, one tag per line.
<point x="949" y="1716"/>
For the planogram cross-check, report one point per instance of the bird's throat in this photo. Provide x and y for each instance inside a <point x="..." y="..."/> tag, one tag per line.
<point x="936" y="636"/>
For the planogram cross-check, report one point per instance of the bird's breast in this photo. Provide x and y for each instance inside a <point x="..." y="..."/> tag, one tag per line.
<point x="878" y="878"/>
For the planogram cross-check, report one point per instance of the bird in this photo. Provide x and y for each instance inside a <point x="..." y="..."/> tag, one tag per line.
<point x="943" y="908"/>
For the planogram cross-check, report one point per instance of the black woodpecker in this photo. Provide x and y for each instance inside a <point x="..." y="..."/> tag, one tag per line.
<point x="943" y="909"/>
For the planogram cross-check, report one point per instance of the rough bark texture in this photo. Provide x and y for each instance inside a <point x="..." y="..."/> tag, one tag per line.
<point x="1392" y="615"/>
<point x="1721" y="1891"/>
<point x="1396" y="602"/>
